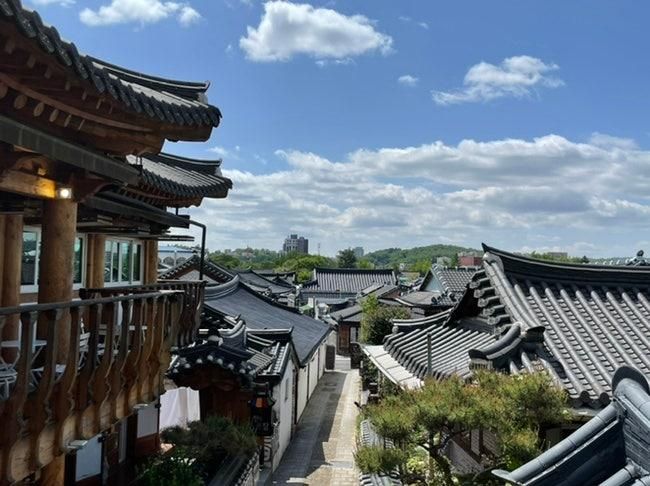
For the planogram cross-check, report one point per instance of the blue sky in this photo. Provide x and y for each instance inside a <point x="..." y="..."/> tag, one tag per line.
<point x="521" y="124"/>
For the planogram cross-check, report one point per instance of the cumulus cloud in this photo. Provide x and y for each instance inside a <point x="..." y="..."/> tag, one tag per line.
<point x="548" y="191"/>
<point x="289" y="29"/>
<point x="516" y="77"/>
<point x="140" y="12"/>
<point x="408" y="80"/>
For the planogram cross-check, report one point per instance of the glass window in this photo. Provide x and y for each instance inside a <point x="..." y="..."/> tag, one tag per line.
<point x="29" y="258"/>
<point x="115" y="261"/>
<point x="77" y="267"/>
<point x="137" y="257"/>
<point x="107" y="261"/>
<point x="125" y="262"/>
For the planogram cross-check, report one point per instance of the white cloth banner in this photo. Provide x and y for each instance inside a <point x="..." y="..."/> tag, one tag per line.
<point x="178" y="407"/>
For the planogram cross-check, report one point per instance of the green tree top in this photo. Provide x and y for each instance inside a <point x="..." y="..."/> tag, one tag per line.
<point x="347" y="259"/>
<point x="377" y="319"/>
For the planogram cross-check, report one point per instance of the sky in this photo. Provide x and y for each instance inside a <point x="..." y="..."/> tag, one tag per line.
<point x="385" y="123"/>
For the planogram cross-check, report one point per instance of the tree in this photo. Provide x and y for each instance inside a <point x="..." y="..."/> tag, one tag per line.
<point x="303" y="265"/>
<point x="377" y="319"/>
<point x="227" y="261"/>
<point x="365" y="264"/>
<point x="512" y="407"/>
<point x="422" y="267"/>
<point x="347" y="259"/>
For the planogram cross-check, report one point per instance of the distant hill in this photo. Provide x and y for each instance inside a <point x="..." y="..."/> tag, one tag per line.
<point x="394" y="256"/>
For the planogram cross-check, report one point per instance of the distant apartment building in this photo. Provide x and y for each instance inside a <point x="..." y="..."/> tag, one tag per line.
<point x="296" y="244"/>
<point x="358" y="251"/>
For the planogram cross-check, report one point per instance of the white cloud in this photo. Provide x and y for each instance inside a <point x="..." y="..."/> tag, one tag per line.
<point x="140" y="12"/>
<point x="408" y="80"/>
<point x="609" y="141"/>
<point x="289" y="29"/>
<point x="63" y="3"/>
<point x="548" y="191"/>
<point x="407" y="20"/>
<point x="516" y="77"/>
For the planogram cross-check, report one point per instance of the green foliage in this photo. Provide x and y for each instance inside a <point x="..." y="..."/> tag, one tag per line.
<point x="377" y="320"/>
<point x="303" y="265"/>
<point x="227" y="261"/>
<point x="347" y="259"/>
<point x="513" y="407"/>
<point x="174" y="469"/>
<point x="378" y="460"/>
<point x="365" y="264"/>
<point x="391" y="257"/>
<point x="210" y="439"/>
<point x="557" y="258"/>
<point x="422" y="267"/>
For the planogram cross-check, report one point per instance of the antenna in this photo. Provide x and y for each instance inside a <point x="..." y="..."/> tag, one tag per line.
<point x="318" y="249"/>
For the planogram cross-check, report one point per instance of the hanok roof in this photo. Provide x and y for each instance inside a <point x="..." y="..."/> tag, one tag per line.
<point x="178" y="181"/>
<point x="236" y="299"/>
<point x="449" y="280"/>
<point x="164" y="100"/>
<point x="345" y="282"/>
<point x="369" y="437"/>
<point x="189" y="270"/>
<point x="228" y="349"/>
<point x="612" y="448"/>
<point x="577" y="322"/>
<point x="262" y="284"/>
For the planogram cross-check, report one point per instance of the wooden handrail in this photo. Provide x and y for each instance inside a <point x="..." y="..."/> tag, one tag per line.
<point x="56" y="399"/>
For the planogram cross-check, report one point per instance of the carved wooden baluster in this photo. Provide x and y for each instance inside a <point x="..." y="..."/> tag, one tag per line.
<point x="38" y="406"/>
<point x="85" y="401"/>
<point x="63" y="397"/>
<point x="14" y="421"/>
<point x="158" y="335"/>
<point x="144" y="384"/>
<point x="118" y="390"/>
<point x="130" y="371"/>
<point x="101" y="385"/>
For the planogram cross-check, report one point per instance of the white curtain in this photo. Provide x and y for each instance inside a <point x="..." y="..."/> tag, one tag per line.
<point x="178" y="407"/>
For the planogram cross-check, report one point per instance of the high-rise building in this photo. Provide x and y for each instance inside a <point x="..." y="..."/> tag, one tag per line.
<point x="295" y="244"/>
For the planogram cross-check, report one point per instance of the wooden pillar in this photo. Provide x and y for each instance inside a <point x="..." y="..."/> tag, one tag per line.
<point x="2" y="252"/>
<point x="11" y="269"/>
<point x="55" y="285"/>
<point x="57" y="254"/>
<point x="95" y="265"/>
<point x="151" y="262"/>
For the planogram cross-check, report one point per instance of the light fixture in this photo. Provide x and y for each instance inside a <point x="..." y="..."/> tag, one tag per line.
<point x="63" y="192"/>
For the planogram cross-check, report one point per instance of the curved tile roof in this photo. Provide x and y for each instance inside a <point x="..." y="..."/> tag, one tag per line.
<point x="182" y="177"/>
<point x="236" y="299"/>
<point x="163" y="100"/>
<point x="612" y="448"/>
<point x="348" y="280"/>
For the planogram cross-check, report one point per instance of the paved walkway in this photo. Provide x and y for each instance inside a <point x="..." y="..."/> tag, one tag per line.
<point x="322" y="449"/>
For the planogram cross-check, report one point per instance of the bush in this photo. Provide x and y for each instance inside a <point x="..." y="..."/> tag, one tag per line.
<point x="377" y="460"/>
<point x="174" y="469"/>
<point x="377" y="320"/>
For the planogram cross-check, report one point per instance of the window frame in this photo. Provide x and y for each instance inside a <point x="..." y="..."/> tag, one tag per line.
<point x="33" y="288"/>
<point x="132" y="242"/>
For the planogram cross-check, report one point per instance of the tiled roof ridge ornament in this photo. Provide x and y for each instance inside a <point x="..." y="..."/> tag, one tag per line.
<point x="638" y="260"/>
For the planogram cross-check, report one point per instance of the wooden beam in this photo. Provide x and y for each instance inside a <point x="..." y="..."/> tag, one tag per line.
<point x="27" y="184"/>
<point x="151" y="262"/>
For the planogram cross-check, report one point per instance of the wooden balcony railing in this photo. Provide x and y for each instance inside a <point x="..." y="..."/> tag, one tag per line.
<point x="190" y="319"/>
<point x="118" y="349"/>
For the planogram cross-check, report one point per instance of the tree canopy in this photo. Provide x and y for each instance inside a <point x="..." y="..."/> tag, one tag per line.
<point x="377" y="319"/>
<point x="514" y="408"/>
<point x="347" y="259"/>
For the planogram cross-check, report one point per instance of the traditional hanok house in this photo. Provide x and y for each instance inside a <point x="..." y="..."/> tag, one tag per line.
<point x="279" y="276"/>
<point x="309" y="336"/>
<point x="191" y="270"/>
<point x="337" y="285"/>
<point x="611" y="449"/>
<point x="579" y="323"/>
<point x="440" y="289"/>
<point x="348" y="319"/>
<point x="82" y="205"/>
<point x="240" y="374"/>
<point x="279" y="290"/>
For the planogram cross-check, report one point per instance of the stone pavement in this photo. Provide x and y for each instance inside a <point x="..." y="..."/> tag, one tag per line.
<point x="322" y="449"/>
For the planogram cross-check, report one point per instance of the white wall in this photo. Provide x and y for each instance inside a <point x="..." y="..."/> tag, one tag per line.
<point x="283" y="406"/>
<point x="179" y="406"/>
<point x="302" y="390"/>
<point x="323" y="354"/>
<point x="313" y="372"/>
